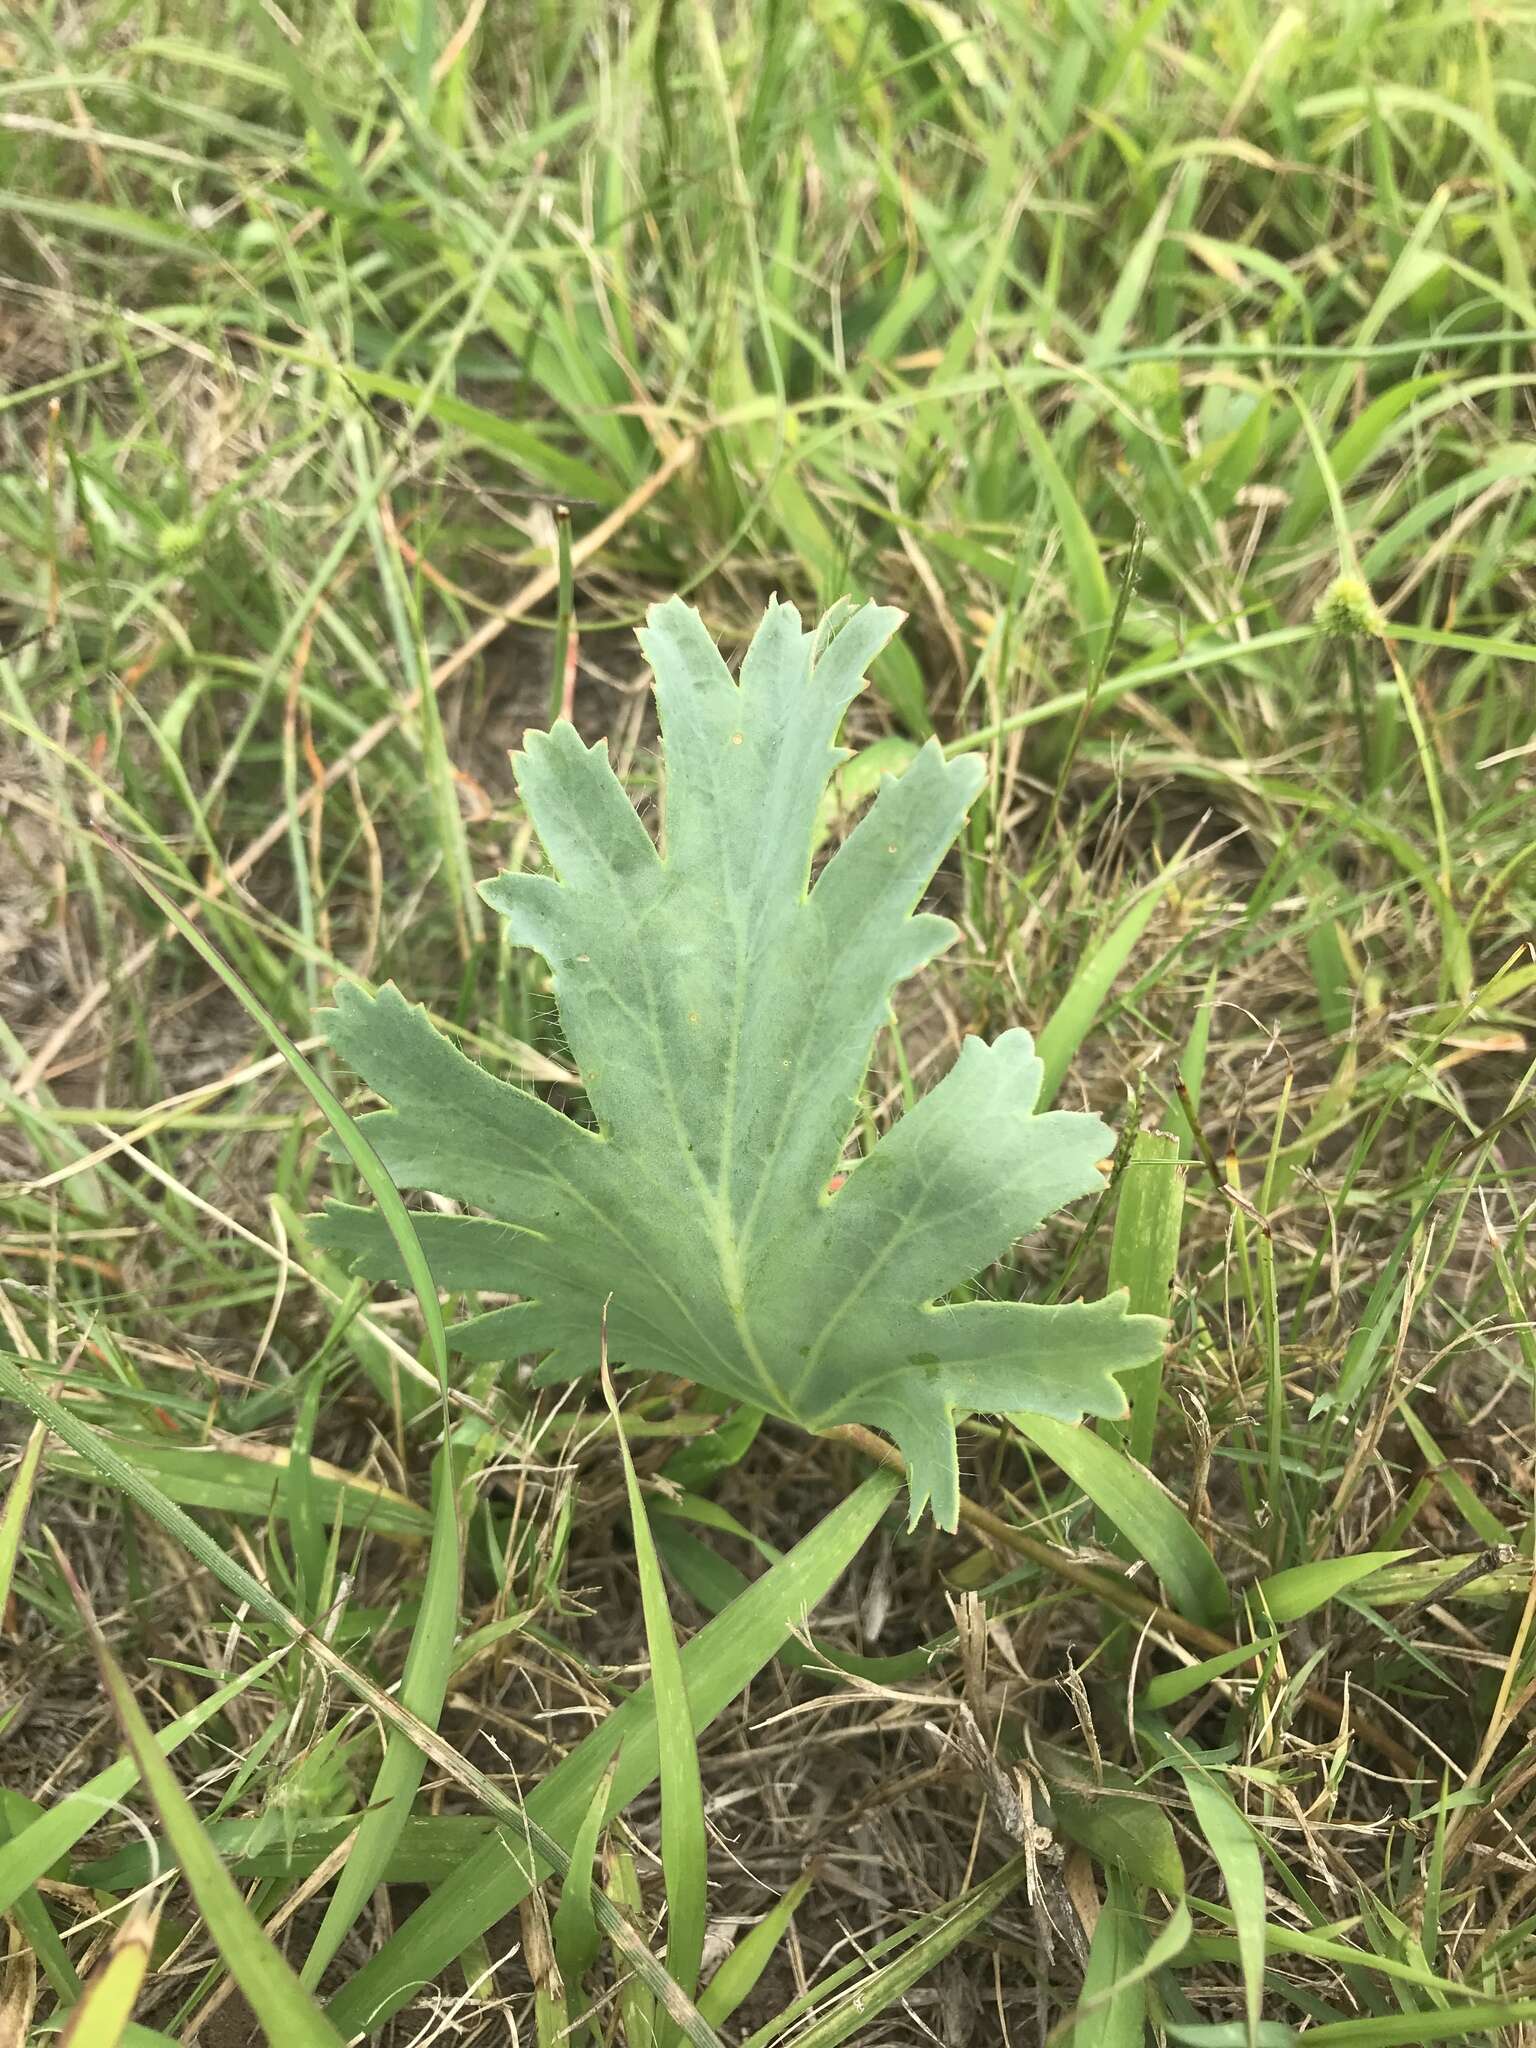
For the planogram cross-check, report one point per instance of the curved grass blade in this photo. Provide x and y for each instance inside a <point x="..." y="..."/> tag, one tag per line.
<point x="718" y="1663"/>
<point x="370" y="1168"/>
<point x="13" y="1515"/>
<point x="575" y="1926"/>
<point x="1102" y="961"/>
<point x="684" y="1839"/>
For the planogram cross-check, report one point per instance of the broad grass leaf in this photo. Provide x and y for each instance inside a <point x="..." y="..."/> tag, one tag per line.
<point x="1149" y="1518"/>
<point x="1232" y="1843"/>
<point x="1120" y="1824"/>
<point x="722" y="1012"/>
<point x="1301" y="1588"/>
<point x="1112" y="2012"/>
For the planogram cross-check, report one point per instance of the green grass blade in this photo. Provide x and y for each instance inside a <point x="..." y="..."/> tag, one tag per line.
<point x="1078" y="1011"/>
<point x="1237" y="1856"/>
<point x="684" y="1838"/>
<point x="1149" y="1520"/>
<point x="1092" y="597"/>
<point x="13" y="1515"/>
<point x="1302" y="1588"/>
<point x="718" y="1663"/>
<point x="1143" y="1259"/>
<point x="525" y="1840"/>
<point x="574" y="1927"/>
<point x="738" y="1975"/>
<point x="428" y="1666"/>
<point x="369" y="1166"/>
<point x="877" y="1989"/>
<point x="1112" y="2012"/>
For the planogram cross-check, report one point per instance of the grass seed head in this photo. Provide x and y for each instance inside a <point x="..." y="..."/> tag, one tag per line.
<point x="1347" y="611"/>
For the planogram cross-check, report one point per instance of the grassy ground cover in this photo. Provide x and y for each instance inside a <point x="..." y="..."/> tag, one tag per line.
<point x="367" y="373"/>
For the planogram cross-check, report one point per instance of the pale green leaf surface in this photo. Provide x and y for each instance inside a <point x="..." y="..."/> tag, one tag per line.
<point x="722" y="1012"/>
<point x="1124" y="1826"/>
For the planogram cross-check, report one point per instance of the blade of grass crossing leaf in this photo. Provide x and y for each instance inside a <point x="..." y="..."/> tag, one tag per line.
<point x="523" y="1840"/>
<point x="370" y="1167"/>
<point x="1146" y="1516"/>
<point x="428" y="1665"/>
<point x="282" y="2006"/>
<point x="684" y="1839"/>
<point x="1231" y="1842"/>
<point x="1143" y="1258"/>
<point x="737" y="1976"/>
